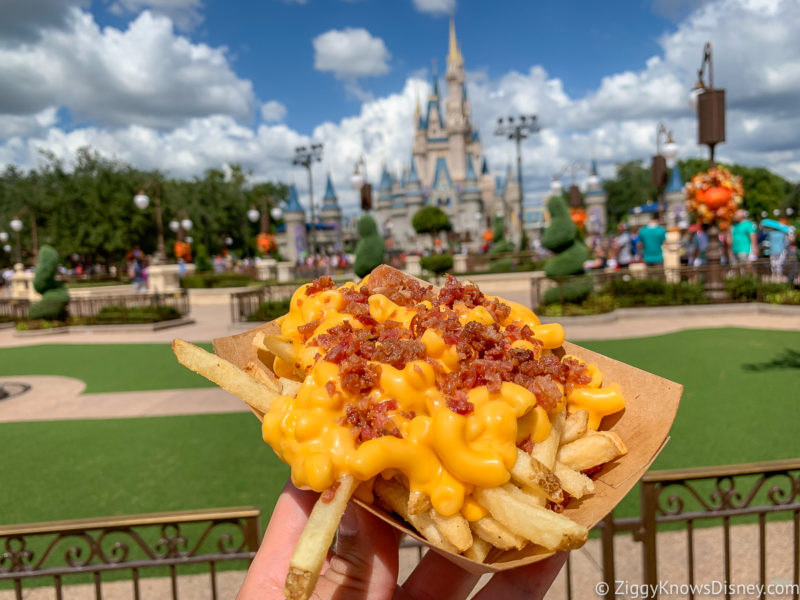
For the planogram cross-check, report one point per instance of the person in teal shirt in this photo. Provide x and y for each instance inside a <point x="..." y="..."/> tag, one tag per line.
<point x="651" y="238"/>
<point x="743" y="238"/>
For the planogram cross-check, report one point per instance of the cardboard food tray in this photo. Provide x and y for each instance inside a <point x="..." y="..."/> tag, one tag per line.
<point x="651" y="405"/>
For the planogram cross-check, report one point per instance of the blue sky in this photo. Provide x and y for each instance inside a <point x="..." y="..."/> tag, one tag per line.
<point x="187" y="85"/>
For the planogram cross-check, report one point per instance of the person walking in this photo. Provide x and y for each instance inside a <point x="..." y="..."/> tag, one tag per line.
<point x="742" y="240"/>
<point x="652" y="237"/>
<point x="777" y="240"/>
<point x="623" y="246"/>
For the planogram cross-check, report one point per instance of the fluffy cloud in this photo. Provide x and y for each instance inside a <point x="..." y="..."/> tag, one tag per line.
<point x="350" y="53"/>
<point x="435" y="7"/>
<point x="186" y="14"/>
<point x="273" y="111"/>
<point x="24" y="20"/>
<point x="148" y="75"/>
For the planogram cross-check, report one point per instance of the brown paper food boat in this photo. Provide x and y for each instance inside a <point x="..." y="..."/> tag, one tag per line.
<point x="651" y="405"/>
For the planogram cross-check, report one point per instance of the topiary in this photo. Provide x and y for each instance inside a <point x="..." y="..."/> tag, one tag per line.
<point x="561" y="238"/>
<point x="55" y="297"/>
<point x="499" y="243"/>
<point x="370" y="249"/>
<point x="437" y="263"/>
<point x="202" y="264"/>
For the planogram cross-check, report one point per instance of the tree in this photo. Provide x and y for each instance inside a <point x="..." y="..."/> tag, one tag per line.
<point x="631" y="187"/>
<point x="430" y="219"/>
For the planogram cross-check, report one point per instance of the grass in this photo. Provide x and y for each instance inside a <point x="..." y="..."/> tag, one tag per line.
<point x="740" y="405"/>
<point x="104" y="367"/>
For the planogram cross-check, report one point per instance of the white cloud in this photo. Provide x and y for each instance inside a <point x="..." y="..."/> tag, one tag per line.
<point x="350" y="53"/>
<point x="435" y="7"/>
<point x="273" y="111"/>
<point x="27" y="125"/>
<point x="147" y="75"/>
<point x="24" y="20"/>
<point x="186" y="14"/>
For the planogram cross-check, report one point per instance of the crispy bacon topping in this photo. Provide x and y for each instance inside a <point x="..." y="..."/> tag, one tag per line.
<point x="319" y="284"/>
<point x="398" y="352"/>
<point x="459" y="403"/>
<point x="526" y="445"/>
<point x="307" y="329"/>
<point x="370" y="420"/>
<point x="400" y="289"/>
<point x="357" y="375"/>
<point x="329" y="494"/>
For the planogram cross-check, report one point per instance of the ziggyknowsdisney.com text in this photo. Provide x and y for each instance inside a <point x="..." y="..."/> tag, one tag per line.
<point x="635" y="591"/>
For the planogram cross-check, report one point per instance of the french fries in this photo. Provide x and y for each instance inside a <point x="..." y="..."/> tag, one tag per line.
<point x="512" y="503"/>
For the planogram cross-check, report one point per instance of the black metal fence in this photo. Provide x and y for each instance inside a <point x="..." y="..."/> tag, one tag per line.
<point x="244" y="304"/>
<point x="89" y="307"/>
<point x="133" y="544"/>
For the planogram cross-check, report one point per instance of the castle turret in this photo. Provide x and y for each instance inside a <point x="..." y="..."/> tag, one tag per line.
<point x="331" y="215"/>
<point x="675" y="199"/>
<point x="456" y="121"/>
<point x="595" y="200"/>
<point x="295" y="236"/>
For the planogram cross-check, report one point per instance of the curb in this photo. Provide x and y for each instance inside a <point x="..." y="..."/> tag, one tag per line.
<point x="125" y="327"/>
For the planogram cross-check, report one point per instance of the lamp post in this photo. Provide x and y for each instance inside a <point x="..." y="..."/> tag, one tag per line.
<point x="518" y="130"/>
<point x="360" y="183"/>
<point x="663" y="161"/>
<point x="142" y="201"/>
<point x="181" y="225"/>
<point x="304" y="157"/>
<point x="264" y="214"/>
<point x="709" y="104"/>
<point x="17" y="225"/>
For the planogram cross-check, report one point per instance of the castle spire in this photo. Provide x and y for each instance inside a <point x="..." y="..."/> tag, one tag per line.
<point x="455" y="53"/>
<point x="417" y="110"/>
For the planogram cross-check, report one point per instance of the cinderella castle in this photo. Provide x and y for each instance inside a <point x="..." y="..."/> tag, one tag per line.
<point x="447" y="169"/>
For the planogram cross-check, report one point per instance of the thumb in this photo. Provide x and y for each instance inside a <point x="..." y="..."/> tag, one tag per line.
<point x="364" y="563"/>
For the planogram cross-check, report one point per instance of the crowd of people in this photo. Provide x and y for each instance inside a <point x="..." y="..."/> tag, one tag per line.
<point x="741" y="244"/>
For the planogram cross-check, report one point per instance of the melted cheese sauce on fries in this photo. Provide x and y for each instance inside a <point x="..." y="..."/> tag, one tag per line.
<point x="396" y="416"/>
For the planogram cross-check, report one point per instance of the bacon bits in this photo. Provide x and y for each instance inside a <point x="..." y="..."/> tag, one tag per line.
<point x="329" y="494"/>
<point x="319" y="284"/>
<point x="398" y="352"/>
<point x="371" y="420"/>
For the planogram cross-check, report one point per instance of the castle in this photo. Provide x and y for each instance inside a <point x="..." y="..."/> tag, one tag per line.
<point x="447" y="169"/>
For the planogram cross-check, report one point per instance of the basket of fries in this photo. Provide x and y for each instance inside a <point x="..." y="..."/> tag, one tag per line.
<point x="457" y="417"/>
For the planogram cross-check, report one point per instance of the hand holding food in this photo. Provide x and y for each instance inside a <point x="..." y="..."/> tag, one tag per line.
<point x="452" y="409"/>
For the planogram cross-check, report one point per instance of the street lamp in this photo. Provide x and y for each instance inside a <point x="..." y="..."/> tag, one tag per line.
<point x="663" y="161"/>
<point x="304" y="156"/>
<point x="710" y="106"/>
<point x="359" y="182"/>
<point x="181" y="225"/>
<point x="16" y="225"/>
<point x="142" y="201"/>
<point x="518" y="130"/>
<point x="254" y="214"/>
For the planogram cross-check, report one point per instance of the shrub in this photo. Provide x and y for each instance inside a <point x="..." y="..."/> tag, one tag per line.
<point x="370" y="249"/>
<point x="136" y="314"/>
<point x="501" y="265"/>
<point x="55" y="297"/>
<point x="202" y="263"/>
<point x="789" y="296"/>
<point x="215" y="280"/>
<point x="269" y="311"/>
<point x="561" y="238"/>
<point x="437" y="263"/>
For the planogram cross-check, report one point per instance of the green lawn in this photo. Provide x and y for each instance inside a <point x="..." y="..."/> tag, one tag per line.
<point x="740" y="405"/>
<point x="104" y="367"/>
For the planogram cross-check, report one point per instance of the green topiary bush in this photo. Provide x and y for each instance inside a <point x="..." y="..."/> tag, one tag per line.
<point x="370" y="249"/>
<point x="55" y="297"/>
<point x="499" y="243"/>
<point x="437" y="263"/>
<point x="202" y="263"/>
<point x="561" y="238"/>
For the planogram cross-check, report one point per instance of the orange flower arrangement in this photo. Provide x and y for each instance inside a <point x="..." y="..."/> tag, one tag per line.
<point x="265" y="242"/>
<point x="714" y="196"/>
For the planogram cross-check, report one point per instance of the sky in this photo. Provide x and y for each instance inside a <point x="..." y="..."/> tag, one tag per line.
<point x="186" y="85"/>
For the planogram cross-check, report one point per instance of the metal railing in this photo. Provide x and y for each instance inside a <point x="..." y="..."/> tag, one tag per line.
<point x="244" y="304"/>
<point x="90" y="306"/>
<point x="13" y="309"/>
<point x="682" y="285"/>
<point x="132" y="543"/>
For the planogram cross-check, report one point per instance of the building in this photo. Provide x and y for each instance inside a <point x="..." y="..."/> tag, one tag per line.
<point x="447" y="168"/>
<point x="294" y="237"/>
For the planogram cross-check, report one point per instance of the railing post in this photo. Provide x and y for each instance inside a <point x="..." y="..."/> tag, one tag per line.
<point x="649" y="502"/>
<point x="607" y="545"/>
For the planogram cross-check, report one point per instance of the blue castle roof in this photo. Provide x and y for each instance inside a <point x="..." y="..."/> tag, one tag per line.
<point x="386" y="181"/>
<point x="484" y="167"/>
<point x="499" y="186"/>
<point x="471" y="176"/>
<point x="412" y="173"/>
<point x="330" y="195"/>
<point x="294" y="204"/>
<point x="675" y="181"/>
<point x="442" y="177"/>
